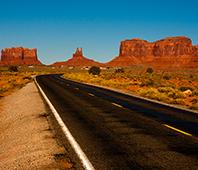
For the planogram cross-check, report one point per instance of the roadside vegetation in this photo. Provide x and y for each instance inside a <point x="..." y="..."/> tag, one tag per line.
<point x="94" y="70"/>
<point x="15" y="77"/>
<point x="175" y="87"/>
<point x="179" y="87"/>
<point x="12" y="79"/>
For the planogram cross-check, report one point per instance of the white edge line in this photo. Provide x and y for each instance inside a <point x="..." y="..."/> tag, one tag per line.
<point x="83" y="158"/>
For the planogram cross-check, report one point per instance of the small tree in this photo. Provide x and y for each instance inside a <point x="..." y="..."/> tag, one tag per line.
<point x="149" y="70"/>
<point x="13" y="68"/>
<point x="94" y="70"/>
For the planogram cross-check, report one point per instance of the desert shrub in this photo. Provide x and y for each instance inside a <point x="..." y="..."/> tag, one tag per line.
<point x="119" y="70"/>
<point x="2" y="90"/>
<point x="165" y="89"/>
<point x="195" y="93"/>
<point x="184" y="88"/>
<point x="166" y="77"/>
<point x="149" y="70"/>
<point x="153" y="94"/>
<point x="175" y="94"/>
<point x="94" y="70"/>
<point x="147" y="82"/>
<point x="107" y="76"/>
<point x="13" y="68"/>
<point x="177" y="101"/>
<point x="147" y="92"/>
<point x="194" y="101"/>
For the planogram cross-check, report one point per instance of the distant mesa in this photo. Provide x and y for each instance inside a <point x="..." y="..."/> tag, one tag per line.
<point x="78" y="60"/>
<point x="19" y="56"/>
<point x="167" y="53"/>
<point x="170" y="52"/>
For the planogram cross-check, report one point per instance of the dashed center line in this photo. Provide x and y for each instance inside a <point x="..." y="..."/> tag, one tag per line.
<point x="91" y="94"/>
<point x="77" y="88"/>
<point x="67" y="84"/>
<point x="180" y="131"/>
<point x="115" y="104"/>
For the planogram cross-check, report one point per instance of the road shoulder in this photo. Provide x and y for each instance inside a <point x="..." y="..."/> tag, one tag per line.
<point x="26" y="136"/>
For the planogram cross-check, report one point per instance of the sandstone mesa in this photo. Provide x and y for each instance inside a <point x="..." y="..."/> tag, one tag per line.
<point x="170" y="52"/>
<point x="19" y="56"/>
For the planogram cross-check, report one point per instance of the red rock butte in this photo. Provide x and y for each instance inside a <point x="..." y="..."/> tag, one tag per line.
<point x="19" y="56"/>
<point x="171" y="52"/>
<point x="78" y="60"/>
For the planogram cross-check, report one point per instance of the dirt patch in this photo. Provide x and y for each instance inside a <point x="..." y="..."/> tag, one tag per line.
<point x="26" y="139"/>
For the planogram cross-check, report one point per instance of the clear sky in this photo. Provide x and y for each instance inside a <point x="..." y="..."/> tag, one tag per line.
<point x="58" y="27"/>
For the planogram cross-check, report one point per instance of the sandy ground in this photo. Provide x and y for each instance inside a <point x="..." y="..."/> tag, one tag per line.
<point x="26" y="141"/>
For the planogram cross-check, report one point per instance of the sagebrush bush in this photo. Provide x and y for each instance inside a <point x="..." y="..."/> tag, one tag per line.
<point x="184" y="88"/>
<point x="107" y="76"/>
<point x="153" y="94"/>
<point x="195" y="93"/>
<point x="177" y="101"/>
<point x="149" y="70"/>
<point x="148" y="82"/>
<point x="166" y="77"/>
<point x="13" y="68"/>
<point x="119" y="70"/>
<point x="165" y="89"/>
<point x="175" y="94"/>
<point x="94" y="70"/>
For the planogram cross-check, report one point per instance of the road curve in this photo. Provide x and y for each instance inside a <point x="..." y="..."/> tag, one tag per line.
<point x="118" y="131"/>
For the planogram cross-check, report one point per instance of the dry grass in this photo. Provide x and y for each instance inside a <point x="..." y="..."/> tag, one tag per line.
<point x="168" y="87"/>
<point x="10" y="81"/>
<point x="163" y="86"/>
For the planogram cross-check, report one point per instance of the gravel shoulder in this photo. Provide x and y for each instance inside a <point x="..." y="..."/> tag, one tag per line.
<point x="26" y="138"/>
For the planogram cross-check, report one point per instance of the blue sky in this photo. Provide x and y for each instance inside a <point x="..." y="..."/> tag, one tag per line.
<point x="58" y="27"/>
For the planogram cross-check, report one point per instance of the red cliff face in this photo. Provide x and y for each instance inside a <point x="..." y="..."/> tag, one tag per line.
<point x="19" y="56"/>
<point x="195" y="51"/>
<point x="169" y="52"/>
<point x="174" y="46"/>
<point x="78" y="60"/>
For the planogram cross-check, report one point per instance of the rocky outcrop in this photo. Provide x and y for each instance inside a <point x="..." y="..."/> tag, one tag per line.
<point x="78" y="54"/>
<point x="19" y="56"/>
<point x="168" y="52"/>
<point x="174" y="46"/>
<point x="78" y="60"/>
<point x="195" y="51"/>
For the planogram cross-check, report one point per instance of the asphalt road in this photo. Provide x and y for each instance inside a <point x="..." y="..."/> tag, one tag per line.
<point x="118" y="131"/>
